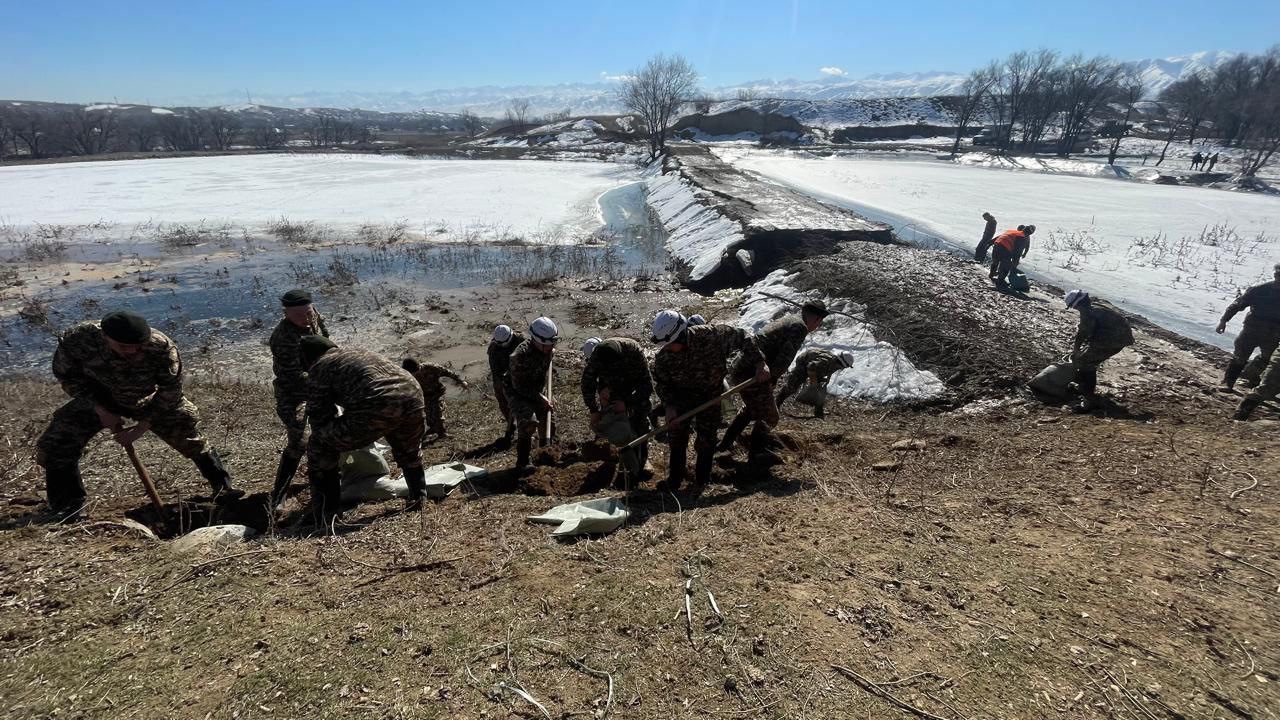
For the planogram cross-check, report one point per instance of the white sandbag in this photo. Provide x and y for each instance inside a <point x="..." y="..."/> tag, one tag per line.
<point x="590" y="517"/>
<point x="441" y="480"/>
<point x="365" y="463"/>
<point x="812" y="394"/>
<point x="1053" y="380"/>
<point x="212" y="536"/>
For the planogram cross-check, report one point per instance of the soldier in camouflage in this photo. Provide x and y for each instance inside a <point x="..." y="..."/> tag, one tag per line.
<point x="1266" y="390"/>
<point x="616" y="386"/>
<point x="430" y="377"/>
<point x="816" y="366"/>
<point x="116" y="369"/>
<point x="525" y="382"/>
<point x="1102" y="333"/>
<point x="1261" y="329"/>
<point x="501" y="345"/>
<point x="689" y="370"/>
<point x="378" y="399"/>
<point x="780" y="340"/>
<point x="290" y="384"/>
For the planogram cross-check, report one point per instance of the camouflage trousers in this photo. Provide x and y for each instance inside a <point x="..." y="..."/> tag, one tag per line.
<point x="1255" y="335"/>
<point x="292" y="411"/>
<point x="73" y="425"/>
<point x="435" y="416"/>
<point x="402" y="423"/>
<point x="795" y="380"/>
<point x="759" y="404"/>
<point x="1269" y="388"/>
<point x="503" y="406"/>
<point x="526" y="415"/>
<point x="705" y="424"/>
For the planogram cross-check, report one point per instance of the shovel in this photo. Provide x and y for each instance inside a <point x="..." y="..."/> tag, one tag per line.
<point x="144" y="476"/>
<point x="710" y="403"/>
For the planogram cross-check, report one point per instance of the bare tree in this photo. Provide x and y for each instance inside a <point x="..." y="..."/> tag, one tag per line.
<point x="222" y="127"/>
<point x="1087" y="85"/>
<point x="973" y="93"/>
<point x="6" y="134"/>
<point x="518" y="112"/>
<point x="1260" y="136"/>
<point x="268" y="137"/>
<point x="1022" y="76"/>
<point x="32" y="129"/>
<point x="1186" y="103"/>
<point x="471" y="123"/>
<point x="87" y="132"/>
<point x="141" y="136"/>
<point x="655" y="94"/>
<point x="1128" y="91"/>
<point x="182" y="132"/>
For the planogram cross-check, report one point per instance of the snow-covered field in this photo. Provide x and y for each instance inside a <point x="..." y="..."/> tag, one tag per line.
<point x="487" y="199"/>
<point x="1177" y="255"/>
<point x="880" y="371"/>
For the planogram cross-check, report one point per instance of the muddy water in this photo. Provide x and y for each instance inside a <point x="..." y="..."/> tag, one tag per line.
<point x="220" y="301"/>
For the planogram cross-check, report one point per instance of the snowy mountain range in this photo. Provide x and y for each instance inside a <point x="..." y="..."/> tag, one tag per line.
<point x="599" y="97"/>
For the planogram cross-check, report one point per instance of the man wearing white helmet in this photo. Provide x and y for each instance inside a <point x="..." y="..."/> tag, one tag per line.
<point x="526" y="379"/>
<point x="501" y="345"/>
<point x="1103" y="332"/>
<point x="697" y="320"/>
<point x="689" y="370"/>
<point x="616" y="386"/>
<point x="816" y="365"/>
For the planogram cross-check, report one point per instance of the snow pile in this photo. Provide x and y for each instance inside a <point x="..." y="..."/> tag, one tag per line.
<point x="626" y="123"/>
<point x="161" y="111"/>
<point x="835" y="114"/>
<point x="1176" y="255"/>
<point x="698" y="234"/>
<point x="585" y="124"/>
<point x="492" y="199"/>
<point x="880" y="372"/>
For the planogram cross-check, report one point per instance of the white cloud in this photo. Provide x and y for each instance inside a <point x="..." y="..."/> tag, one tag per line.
<point x="613" y="78"/>
<point x="833" y="71"/>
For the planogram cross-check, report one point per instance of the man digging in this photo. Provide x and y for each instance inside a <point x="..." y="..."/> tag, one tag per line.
<point x="526" y="380"/>
<point x="430" y="376"/>
<point x="1102" y="333"/>
<point x="688" y="371"/>
<point x="616" y="386"/>
<point x="290" y="384"/>
<point x="378" y="399"/>
<point x="116" y="369"/>
<point x="816" y="366"/>
<point x="503" y="342"/>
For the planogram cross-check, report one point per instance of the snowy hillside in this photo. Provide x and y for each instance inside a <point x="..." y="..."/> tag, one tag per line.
<point x="833" y="114"/>
<point x="1159" y="74"/>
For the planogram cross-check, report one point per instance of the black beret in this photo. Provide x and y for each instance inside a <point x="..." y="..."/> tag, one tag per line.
<point x="295" y="298"/>
<point x="312" y="348"/>
<point x="126" y="327"/>
<point x="815" y="307"/>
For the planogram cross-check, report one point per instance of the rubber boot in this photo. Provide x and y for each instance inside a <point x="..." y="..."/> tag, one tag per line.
<point x="285" y="471"/>
<point x="210" y="465"/>
<point x="702" y="466"/>
<point x="326" y="497"/>
<point x="1247" y="406"/>
<point x="64" y="491"/>
<point x="416" y="479"/>
<point x="735" y="429"/>
<point x="1232" y="374"/>
<point x="819" y="411"/>
<point x="677" y="456"/>
<point x="760" y="452"/>
<point x="524" y="446"/>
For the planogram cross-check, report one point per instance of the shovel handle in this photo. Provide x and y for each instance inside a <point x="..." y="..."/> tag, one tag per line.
<point x="145" y="477"/>
<point x="649" y="435"/>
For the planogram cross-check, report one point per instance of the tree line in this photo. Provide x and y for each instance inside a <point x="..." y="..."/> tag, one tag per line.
<point x="75" y="130"/>
<point x="1041" y="101"/>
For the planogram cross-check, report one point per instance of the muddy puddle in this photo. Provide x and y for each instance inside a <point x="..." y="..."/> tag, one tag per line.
<point x="217" y="296"/>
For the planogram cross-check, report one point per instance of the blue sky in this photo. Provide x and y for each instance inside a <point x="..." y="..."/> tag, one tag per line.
<point x="89" y="50"/>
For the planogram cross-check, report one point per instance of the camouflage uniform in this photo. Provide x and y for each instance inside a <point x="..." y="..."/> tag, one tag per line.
<point x="1268" y="389"/>
<point x="499" y="364"/>
<point x="147" y="387"/>
<point x="693" y="376"/>
<point x="1261" y="329"/>
<point x="814" y="365"/>
<point x="779" y="341"/>
<point x="290" y="382"/>
<point x="430" y="376"/>
<point x="523" y="385"/>
<point x="378" y="399"/>
<point x="619" y="366"/>
<point x="1103" y="332"/>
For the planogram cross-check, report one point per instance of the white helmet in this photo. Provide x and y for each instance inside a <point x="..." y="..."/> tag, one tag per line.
<point x="667" y="326"/>
<point x="502" y="333"/>
<point x="589" y="347"/>
<point x="544" y="332"/>
<point x="1075" y="297"/>
<point x="846" y="358"/>
<point x="697" y="320"/>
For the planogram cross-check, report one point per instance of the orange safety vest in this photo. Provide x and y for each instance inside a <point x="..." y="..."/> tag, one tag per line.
<point x="1009" y="239"/>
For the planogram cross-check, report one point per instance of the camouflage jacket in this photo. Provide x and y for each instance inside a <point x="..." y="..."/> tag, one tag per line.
<point x="817" y="363"/>
<point x="140" y="387"/>
<point x="527" y="376"/>
<point x="359" y="381"/>
<point x="618" y="364"/>
<point x="430" y="376"/>
<point x="291" y="380"/>
<point x="1262" y="300"/>
<point x="780" y="340"/>
<point x="1103" y="326"/>
<point x="698" y="370"/>
<point x="500" y="356"/>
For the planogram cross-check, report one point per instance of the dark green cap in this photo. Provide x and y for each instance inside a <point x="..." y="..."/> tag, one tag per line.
<point x="295" y="298"/>
<point x="312" y="347"/>
<point x="126" y="327"/>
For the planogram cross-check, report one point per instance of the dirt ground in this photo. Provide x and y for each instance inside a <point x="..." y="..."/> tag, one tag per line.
<point x="1017" y="561"/>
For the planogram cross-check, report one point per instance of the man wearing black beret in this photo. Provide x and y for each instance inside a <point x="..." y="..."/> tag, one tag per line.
<point x="300" y="320"/>
<point x="115" y="369"/>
